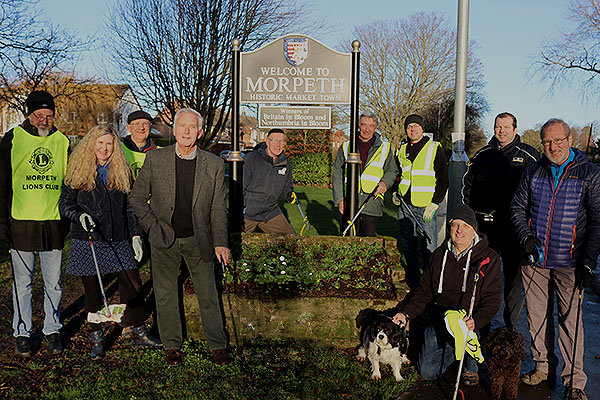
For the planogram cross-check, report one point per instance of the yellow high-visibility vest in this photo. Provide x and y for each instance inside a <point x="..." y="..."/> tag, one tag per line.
<point x="38" y="167"/>
<point x="134" y="158"/>
<point x="419" y="175"/>
<point x="373" y="172"/>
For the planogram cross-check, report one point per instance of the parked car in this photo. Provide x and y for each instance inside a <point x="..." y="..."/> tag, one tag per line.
<point x="225" y="154"/>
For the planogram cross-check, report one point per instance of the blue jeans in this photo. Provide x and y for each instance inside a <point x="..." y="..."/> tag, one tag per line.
<point x="24" y="266"/>
<point x="437" y="354"/>
<point x="413" y="247"/>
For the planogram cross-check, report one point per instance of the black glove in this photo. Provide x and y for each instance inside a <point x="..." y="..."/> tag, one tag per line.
<point x="583" y="276"/>
<point x="291" y="198"/>
<point x="531" y="245"/>
<point x="4" y="233"/>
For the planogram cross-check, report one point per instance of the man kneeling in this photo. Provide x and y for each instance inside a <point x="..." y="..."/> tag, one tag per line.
<point x="447" y="289"/>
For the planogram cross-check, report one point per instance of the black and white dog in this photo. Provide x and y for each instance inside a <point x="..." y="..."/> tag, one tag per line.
<point x="382" y="341"/>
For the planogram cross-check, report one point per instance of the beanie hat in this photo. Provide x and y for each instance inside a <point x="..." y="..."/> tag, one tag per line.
<point x="414" y="118"/>
<point x="39" y="99"/>
<point x="139" y="114"/>
<point x="464" y="213"/>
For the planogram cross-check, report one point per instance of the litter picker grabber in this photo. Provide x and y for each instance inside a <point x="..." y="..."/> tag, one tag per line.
<point x="476" y="278"/>
<point x="420" y="228"/>
<point x="21" y="321"/>
<point x="580" y="297"/>
<point x="114" y="312"/>
<point x="361" y="208"/>
<point x="237" y="343"/>
<point x="294" y="200"/>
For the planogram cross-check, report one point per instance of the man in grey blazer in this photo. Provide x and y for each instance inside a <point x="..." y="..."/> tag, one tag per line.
<point x="179" y="198"/>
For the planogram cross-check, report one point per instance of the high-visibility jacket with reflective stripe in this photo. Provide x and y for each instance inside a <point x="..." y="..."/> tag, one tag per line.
<point x="373" y="172"/>
<point x="38" y="167"/>
<point x="418" y="175"/>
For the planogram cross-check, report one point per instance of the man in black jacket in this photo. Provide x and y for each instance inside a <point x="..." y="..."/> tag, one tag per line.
<point x="488" y="188"/>
<point x="33" y="161"/>
<point x="267" y="178"/>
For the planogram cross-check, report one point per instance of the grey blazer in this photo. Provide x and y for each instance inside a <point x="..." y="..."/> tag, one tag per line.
<point x="153" y="199"/>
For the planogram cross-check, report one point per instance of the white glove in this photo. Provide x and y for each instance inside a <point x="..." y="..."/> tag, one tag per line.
<point x="430" y="212"/>
<point x="87" y="222"/>
<point x="136" y="243"/>
<point x="396" y="198"/>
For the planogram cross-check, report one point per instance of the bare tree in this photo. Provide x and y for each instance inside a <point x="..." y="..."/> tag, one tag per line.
<point x="574" y="57"/>
<point x="408" y="65"/>
<point x="33" y="53"/>
<point x="178" y="52"/>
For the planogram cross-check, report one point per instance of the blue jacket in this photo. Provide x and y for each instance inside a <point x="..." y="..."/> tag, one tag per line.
<point x="564" y="215"/>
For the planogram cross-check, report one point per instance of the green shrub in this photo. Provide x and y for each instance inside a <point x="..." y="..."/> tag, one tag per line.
<point x="312" y="169"/>
<point x="292" y="267"/>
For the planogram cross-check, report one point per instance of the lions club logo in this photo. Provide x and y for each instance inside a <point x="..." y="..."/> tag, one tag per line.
<point x="41" y="160"/>
<point x="295" y="50"/>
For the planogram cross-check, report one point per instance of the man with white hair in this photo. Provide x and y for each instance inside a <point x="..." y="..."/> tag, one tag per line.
<point x="179" y="198"/>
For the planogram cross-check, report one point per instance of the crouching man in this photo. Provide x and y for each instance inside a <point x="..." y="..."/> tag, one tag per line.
<point x="446" y="291"/>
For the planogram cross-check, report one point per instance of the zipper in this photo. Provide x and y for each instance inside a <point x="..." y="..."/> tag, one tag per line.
<point x="554" y="191"/>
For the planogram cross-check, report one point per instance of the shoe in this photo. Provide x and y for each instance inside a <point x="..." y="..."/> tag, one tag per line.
<point x="174" y="357"/>
<point x="534" y="377"/>
<point x="576" y="394"/>
<point x="221" y="356"/>
<point x="470" y="378"/>
<point x="53" y="343"/>
<point x="142" y="338"/>
<point x="23" y="346"/>
<point x="97" y="339"/>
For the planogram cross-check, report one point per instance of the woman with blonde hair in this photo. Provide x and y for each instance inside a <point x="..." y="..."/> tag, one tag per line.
<point x="94" y="199"/>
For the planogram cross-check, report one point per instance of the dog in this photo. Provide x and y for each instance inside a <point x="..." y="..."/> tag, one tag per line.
<point x="382" y="341"/>
<point x="505" y="354"/>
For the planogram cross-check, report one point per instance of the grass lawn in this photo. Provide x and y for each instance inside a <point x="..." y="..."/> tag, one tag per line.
<point x="261" y="369"/>
<point x="324" y="217"/>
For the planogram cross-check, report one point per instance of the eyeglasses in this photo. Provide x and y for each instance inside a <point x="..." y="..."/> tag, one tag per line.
<point x="556" y="142"/>
<point x="142" y="124"/>
<point x="47" y="118"/>
<point x="276" y="141"/>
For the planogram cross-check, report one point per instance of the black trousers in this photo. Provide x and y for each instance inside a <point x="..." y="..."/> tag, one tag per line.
<point x="130" y="292"/>
<point x="503" y="240"/>
<point x="366" y="225"/>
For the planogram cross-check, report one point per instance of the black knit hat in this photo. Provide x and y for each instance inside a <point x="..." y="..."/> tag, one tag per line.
<point x="414" y="118"/>
<point x="139" y="114"/>
<point x="39" y="99"/>
<point x="464" y="213"/>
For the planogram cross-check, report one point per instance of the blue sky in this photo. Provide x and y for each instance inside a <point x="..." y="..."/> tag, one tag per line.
<point x="509" y="34"/>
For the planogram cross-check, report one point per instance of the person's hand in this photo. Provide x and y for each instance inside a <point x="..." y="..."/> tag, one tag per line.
<point x="584" y="277"/>
<point x="396" y="198"/>
<point x="381" y="188"/>
<point x="291" y="197"/>
<point x="341" y="207"/>
<point x="533" y="247"/>
<point x="4" y="233"/>
<point x="138" y="252"/>
<point x="87" y="222"/>
<point x="430" y="212"/>
<point x="531" y="243"/>
<point x="222" y="254"/>
<point x="400" y="319"/>
<point x="470" y="322"/>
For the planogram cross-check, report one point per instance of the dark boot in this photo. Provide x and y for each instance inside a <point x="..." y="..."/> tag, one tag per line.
<point x="141" y="337"/>
<point x="97" y="339"/>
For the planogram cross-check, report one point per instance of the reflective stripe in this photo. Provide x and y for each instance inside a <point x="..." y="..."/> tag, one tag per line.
<point x="423" y="189"/>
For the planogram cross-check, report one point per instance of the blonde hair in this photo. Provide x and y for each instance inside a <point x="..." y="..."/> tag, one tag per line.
<point x="82" y="165"/>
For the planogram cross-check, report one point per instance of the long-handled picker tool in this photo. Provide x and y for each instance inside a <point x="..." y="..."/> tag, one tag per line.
<point x="362" y="207"/>
<point x="579" y="288"/>
<point x="476" y="278"/>
<point x="237" y="343"/>
<point x="294" y="200"/>
<point x="114" y="312"/>
<point x="420" y="229"/>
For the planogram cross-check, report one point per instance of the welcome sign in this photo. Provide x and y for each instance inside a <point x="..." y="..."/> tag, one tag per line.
<point x="295" y="69"/>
